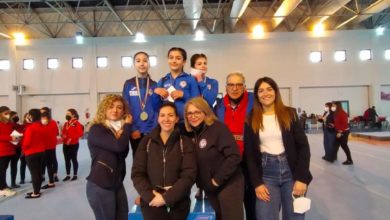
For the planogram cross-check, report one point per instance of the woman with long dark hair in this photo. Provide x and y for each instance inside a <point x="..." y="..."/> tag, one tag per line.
<point x="342" y="132"/>
<point x="177" y="86"/>
<point x="277" y="153"/>
<point x="72" y="131"/>
<point x="164" y="169"/>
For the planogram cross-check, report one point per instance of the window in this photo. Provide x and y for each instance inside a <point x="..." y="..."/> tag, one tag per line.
<point x="315" y="56"/>
<point x="28" y="64"/>
<point x="153" y="60"/>
<point x="387" y="54"/>
<point x="340" y="55"/>
<point x="52" y="63"/>
<point x="4" y="64"/>
<point x="77" y="62"/>
<point x="127" y="62"/>
<point x="102" y="62"/>
<point x="365" y="54"/>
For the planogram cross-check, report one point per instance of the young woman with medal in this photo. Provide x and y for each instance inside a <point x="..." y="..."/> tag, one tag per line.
<point x="137" y="92"/>
<point x="177" y="86"/>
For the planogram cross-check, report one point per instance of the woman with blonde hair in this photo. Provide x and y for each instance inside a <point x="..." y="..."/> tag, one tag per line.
<point x="219" y="171"/>
<point x="108" y="143"/>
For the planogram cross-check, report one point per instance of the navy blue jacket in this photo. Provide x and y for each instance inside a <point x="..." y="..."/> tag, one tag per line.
<point x="108" y="154"/>
<point x="296" y="148"/>
<point x="130" y="94"/>
<point x="183" y="82"/>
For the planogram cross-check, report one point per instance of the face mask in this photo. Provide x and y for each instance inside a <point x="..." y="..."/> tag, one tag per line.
<point x="15" y="119"/>
<point x="326" y="109"/>
<point x="301" y="204"/>
<point x="67" y="117"/>
<point x="333" y="109"/>
<point x="44" y="121"/>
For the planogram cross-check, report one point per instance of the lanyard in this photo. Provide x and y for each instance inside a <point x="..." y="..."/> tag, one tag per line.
<point x="142" y="103"/>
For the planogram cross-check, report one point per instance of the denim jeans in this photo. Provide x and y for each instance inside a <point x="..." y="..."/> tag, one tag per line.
<point x="278" y="180"/>
<point x="329" y="140"/>
<point x="107" y="204"/>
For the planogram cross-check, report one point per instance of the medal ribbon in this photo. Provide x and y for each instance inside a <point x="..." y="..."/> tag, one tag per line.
<point x="142" y="103"/>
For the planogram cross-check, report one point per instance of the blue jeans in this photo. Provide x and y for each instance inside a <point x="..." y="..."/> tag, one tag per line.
<point x="329" y="140"/>
<point x="278" y="180"/>
<point x="107" y="204"/>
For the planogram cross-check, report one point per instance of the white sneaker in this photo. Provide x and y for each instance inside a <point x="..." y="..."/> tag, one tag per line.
<point x="7" y="192"/>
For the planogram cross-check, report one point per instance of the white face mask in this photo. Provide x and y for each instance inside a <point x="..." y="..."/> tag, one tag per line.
<point x="326" y="109"/>
<point x="44" y="122"/>
<point x="301" y="204"/>
<point x="116" y="125"/>
<point x="333" y="109"/>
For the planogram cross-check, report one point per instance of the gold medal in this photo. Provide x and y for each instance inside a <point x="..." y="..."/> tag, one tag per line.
<point x="143" y="116"/>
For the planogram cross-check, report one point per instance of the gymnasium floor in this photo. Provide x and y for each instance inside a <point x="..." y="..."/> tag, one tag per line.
<point x="361" y="191"/>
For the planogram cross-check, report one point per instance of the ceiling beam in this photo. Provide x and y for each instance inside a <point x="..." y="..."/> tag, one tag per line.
<point x="108" y="4"/>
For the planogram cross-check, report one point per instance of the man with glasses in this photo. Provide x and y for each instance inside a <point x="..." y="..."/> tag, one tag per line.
<point x="232" y="110"/>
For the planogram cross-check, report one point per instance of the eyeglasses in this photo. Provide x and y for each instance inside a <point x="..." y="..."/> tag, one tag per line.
<point x="194" y="114"/>
<point x="235" y="85"/>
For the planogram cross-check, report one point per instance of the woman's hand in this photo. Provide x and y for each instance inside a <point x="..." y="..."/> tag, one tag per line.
<point x="177" y="94"/>
<point x="161" y="92"/>
<point x="262" y="193"/>
<point x="157" y="201"/>
<point x="128" y="119"/>
<point x="299" y="188"/>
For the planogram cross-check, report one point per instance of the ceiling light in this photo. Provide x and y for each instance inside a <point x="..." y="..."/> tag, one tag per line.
<point x="139" y="38"/>
<point x="319" y="29"/>
<point x="79" y="37"/>
<point x="199" y="35"/>
<point x="380" y="30"/>
<point x="20" y="38"/>
<point x="258" y="31"/>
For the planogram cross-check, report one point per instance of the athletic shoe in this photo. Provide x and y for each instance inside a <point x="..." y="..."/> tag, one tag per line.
<point x="7" y="192"/>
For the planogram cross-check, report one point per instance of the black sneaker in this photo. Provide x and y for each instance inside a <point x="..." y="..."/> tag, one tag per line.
<point x="66" y="178"/>
<point x="348" y="162"/>
<point x="15" y="186"/>
<point x="73" y="178"/>
<point x="56" y="179"/>
<point x="47" y="186"/>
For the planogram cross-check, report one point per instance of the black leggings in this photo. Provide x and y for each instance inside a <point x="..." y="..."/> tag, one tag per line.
<point x="4" y="161"/>
<point x="343" y="142"/>
<point x="34" y="163"/>
<point x="134" y="144"/>
<point x="14" y="164"/>
<point x="50" y="156"/>
<point x="70" y="154"/>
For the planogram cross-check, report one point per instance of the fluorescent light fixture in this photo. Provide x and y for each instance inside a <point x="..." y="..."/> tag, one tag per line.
<point x="4" y="65"/>
<point x="79" y="37"/>
<point x="340" y="55"/>
<point x="77" y="62"/>
<point x="52" y="63"/>
<point x="28" y="64"/>
<point x="387" y="54"/>
<point x="127" y="62"/>
<point x="365" y="54"/>
<point x="380" y="30"/>
<point x="199" y="35"/>
<point x="315" y="56"/>
<point x="139" y="38"/>
<point x="5" y="35"/>
<point x="102" y="62"/>
<point x="20" y="38"/>
<point x="153" y="60"/>
<point x="258" y="31"/>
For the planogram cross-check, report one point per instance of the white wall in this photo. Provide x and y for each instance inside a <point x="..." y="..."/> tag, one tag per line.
<point x="282" y="56"/>
<point x="384" y="107"/>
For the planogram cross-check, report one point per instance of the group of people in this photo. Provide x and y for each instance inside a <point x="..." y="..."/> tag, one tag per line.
<point x="34" y="142"/>
<point x="336" y="132"/>
<point x="248" y="148"/>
